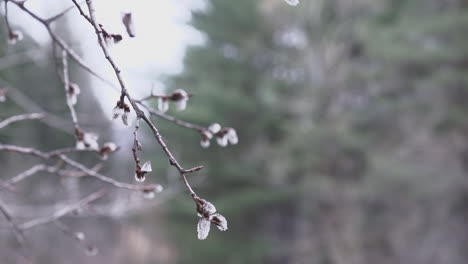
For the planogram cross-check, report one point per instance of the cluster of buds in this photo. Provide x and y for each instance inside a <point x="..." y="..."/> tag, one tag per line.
<point x="85" y="140"/>
<point x="110" y="38"/>
<point x="121" y="110"/>
<point x="107" y="148"/>
<point x="179" y="97"/>
<point x="208" y="215"/>
<point x="72" y="93"/>
<point x="3" y="95"/>
<point x="127" y="20"/>
<point x="141" y="171"/>
<point x="224" y="135"/>
<point x="14" y="36"/>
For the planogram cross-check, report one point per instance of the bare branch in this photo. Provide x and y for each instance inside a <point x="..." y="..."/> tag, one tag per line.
<point x="16" y="229"/>
<point x="22" y="117"/>
<point x="62" y="212"/>
<point x="29" y="105"/>
<point x="25" y="174"/>
<point x="59" y="15"/>
<point x="172" y="119"/>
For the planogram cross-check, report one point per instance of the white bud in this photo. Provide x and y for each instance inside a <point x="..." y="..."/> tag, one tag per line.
<point x="292" y="2"/>
<point x="146" y="167"/>
<point x="232" y="136"/>
<point x="149" y="195"/>
<point x="2" y="98"/>
<point x="181" y="104"/>
<point x="159" y="188"/>
<point x="163" y="104"/>
<point x="125" y="118"/>
<point x="214" y="128"/>
<point x="72" y="93"/>
<point x="80" y="145"/>
<point x="91" y="251"/>
<point x="203" y="228"/>
<point x="90" y="140"/>
<point x="222" y="141"/>
<point x="205" y="143"/>
<point x="117" y="111"/>
<point x="80" y="235"/>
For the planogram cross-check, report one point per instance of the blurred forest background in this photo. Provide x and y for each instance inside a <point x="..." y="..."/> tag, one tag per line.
<point x="353" y="124"/>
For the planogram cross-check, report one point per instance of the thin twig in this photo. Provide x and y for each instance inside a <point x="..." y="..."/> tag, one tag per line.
<point x="25" y="174"/>
<point x="17" y="230"/>
<point x="173" y="119"/>
<point x="63" y="211"/>
<point x="63" y="44"/>
<point x="66" y="84"/>
<point x="22" y="117"/>
<point x="59" y="15"/>
<point x="79" y="166"/>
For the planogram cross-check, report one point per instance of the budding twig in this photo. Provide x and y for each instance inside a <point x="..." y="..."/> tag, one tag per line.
<point x="124" y="93"/>
<point x="66" y="84"/>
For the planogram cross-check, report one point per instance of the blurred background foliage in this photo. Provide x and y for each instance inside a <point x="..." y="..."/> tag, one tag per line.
<point x="352" y="119"/>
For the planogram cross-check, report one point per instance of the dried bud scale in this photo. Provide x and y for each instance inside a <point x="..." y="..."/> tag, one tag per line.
<point x="127" y="20"/>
